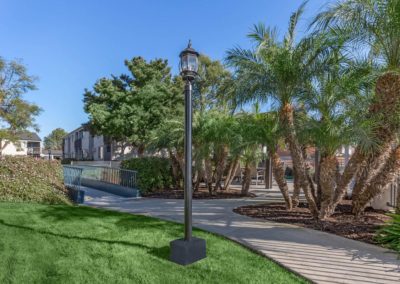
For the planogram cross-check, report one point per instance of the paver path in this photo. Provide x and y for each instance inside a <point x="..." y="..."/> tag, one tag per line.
<point x="318" y="256"/>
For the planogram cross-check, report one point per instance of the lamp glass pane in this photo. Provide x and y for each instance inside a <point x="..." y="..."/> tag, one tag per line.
<point x="184" y="63"/>
<point x="193" y="63"/>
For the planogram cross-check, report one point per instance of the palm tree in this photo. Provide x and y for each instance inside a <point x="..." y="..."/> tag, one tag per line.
<point x="278" y="71"/>
<point x="264" y="129"/>
<point x="334" y="120"/>
<point x="170" y="135"/>
<point x="373" y="25"/>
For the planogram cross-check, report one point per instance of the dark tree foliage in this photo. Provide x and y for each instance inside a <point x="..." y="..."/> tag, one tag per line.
<point x="128" y="107"/>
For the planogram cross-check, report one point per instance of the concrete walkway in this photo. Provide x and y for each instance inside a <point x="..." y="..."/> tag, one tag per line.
<point x="318" y="256"/>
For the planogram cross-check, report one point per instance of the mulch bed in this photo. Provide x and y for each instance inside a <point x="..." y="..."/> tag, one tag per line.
<point x="202" y="193"/>
<point x="341" y="223"/>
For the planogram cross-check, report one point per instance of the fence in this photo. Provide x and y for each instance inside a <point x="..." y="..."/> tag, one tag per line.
<point x="113" y="180"/>
<point x="109" y="164"/>
<point x="115" y="176"/>
<point x="72" y="177"/>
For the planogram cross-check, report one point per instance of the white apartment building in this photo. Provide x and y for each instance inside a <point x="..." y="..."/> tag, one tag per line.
<point x="28" y="144"/>
<point x="80" y="144"/>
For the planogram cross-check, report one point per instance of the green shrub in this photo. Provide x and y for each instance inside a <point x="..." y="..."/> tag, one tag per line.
<point x="32" y="180"/>
<point x="67" y="161"/>
<point x="153" y="173"/>
<point x="389" y="235"/>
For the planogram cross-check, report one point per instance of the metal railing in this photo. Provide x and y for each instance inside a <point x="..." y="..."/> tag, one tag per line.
<point x="122" y="177"/>
<point x="394" y="191"/>
<point x="72" y="177"/>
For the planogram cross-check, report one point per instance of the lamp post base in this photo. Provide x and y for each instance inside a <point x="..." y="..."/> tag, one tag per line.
<point x="185" y="252"/>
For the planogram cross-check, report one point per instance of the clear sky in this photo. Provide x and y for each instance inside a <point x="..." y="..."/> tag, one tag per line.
<point x="69" y="44"/>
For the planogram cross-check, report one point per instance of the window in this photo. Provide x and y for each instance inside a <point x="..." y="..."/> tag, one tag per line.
<point x="100" y="155"/>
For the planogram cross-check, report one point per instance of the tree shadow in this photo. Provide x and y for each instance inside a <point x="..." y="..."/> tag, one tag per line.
<point x="159" y="252"/>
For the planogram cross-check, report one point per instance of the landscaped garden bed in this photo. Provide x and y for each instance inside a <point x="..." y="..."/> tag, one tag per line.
<point x="202" y="193"/>
<point x="69" y="244"/>
<point x="341" y="223"/>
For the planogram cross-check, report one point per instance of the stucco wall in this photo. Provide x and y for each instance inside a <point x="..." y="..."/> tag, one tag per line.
<point x="20" y="149"/>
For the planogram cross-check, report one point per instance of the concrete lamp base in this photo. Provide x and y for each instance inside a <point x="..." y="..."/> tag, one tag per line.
<point x="186" y="252"/>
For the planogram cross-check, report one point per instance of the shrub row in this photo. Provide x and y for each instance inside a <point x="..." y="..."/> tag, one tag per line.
<point x="32" y="180"/>
<point x="154" y="173"/>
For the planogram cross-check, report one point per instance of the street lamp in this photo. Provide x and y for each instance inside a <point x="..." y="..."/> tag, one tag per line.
<point x="189" y="249"/>
<point x="49" y="152"/>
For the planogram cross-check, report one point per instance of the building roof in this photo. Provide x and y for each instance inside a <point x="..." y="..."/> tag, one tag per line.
<point x="29" y="136"/>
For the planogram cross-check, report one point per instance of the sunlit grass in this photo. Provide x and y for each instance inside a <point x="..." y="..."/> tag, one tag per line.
<point x="66" y="244"/>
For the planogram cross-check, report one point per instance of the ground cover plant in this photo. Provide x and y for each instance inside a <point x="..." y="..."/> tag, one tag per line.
<point x="28" y="179"/>
<point x="389" y="235"/>
<point x="67" y="244"/>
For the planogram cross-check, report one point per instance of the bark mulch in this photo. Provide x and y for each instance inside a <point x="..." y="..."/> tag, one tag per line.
<point x="202" y="193"/>
<point x="341" y="223"/>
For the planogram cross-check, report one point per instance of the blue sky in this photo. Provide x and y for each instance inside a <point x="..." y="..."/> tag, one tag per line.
<point x="70" y="44"/>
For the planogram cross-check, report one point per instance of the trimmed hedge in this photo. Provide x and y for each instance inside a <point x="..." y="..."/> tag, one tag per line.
<point x="26" y="179"/>
<point x="154" y="173"/>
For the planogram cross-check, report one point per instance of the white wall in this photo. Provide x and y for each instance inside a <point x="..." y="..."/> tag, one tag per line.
<point x="17" y="149"/>
<point x="98" y="148"/>
<point x="13" y="149"/>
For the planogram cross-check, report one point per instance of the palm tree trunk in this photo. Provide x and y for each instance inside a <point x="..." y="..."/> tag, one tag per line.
<point x="296" y="188"/>
<point x="350" y="170"/>
<point x="231" y="172"/>
<point x="377" y="185"/>
<point x="387" y="104"/>
<point x="209" y="174"/>
<point x="398" y="201"/>
<point x="297" y="156"/>
<point x="370" y="169"/>
<point x="246" y="179"/>
<point x="327" y="181"/>
<point x="220" y="167"/>
<point x="279" y="175"/>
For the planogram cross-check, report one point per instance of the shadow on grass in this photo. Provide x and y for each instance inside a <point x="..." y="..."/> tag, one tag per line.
<point x="159" y="252"/>
<point x="122" y="220"/>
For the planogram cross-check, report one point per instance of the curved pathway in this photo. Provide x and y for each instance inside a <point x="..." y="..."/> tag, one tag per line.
<point x="318" y="256"/>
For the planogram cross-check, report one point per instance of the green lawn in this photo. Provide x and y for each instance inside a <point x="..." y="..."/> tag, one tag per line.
<point x="66" y="244"/>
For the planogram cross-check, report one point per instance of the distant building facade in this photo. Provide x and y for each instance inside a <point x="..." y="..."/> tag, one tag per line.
<point x="80" y="144"/>
<point x="28" y="144"/>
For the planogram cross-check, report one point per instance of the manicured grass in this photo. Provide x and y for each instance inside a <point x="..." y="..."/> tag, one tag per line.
<point x="67" y="244"/>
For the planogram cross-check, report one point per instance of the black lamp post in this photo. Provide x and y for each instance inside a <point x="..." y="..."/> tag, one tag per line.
<point x="49" y="152"/>
<point x="189" y="249"/>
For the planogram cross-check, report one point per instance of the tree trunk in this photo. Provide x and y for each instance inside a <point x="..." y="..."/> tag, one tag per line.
<point x="231" y="172"/>
<point x="140" y="151"/>
<point x="327" y="179"/>
<point x="279" y="175"/>
<point x="246" y="179"/>
<point x="387" y="104"/>
<point x="386" y="176"/>
<point x="317" y="181"/>
<point x="209" y="174"/>
<point x="297" y="157"/>
<point x="350" y="170"/>
<point x="370" y="168"/>
<point x="296" y="188"/>
<point x="176" y="170"/>
<point x="220" y="167"/>
<point x="398" y="201"/>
